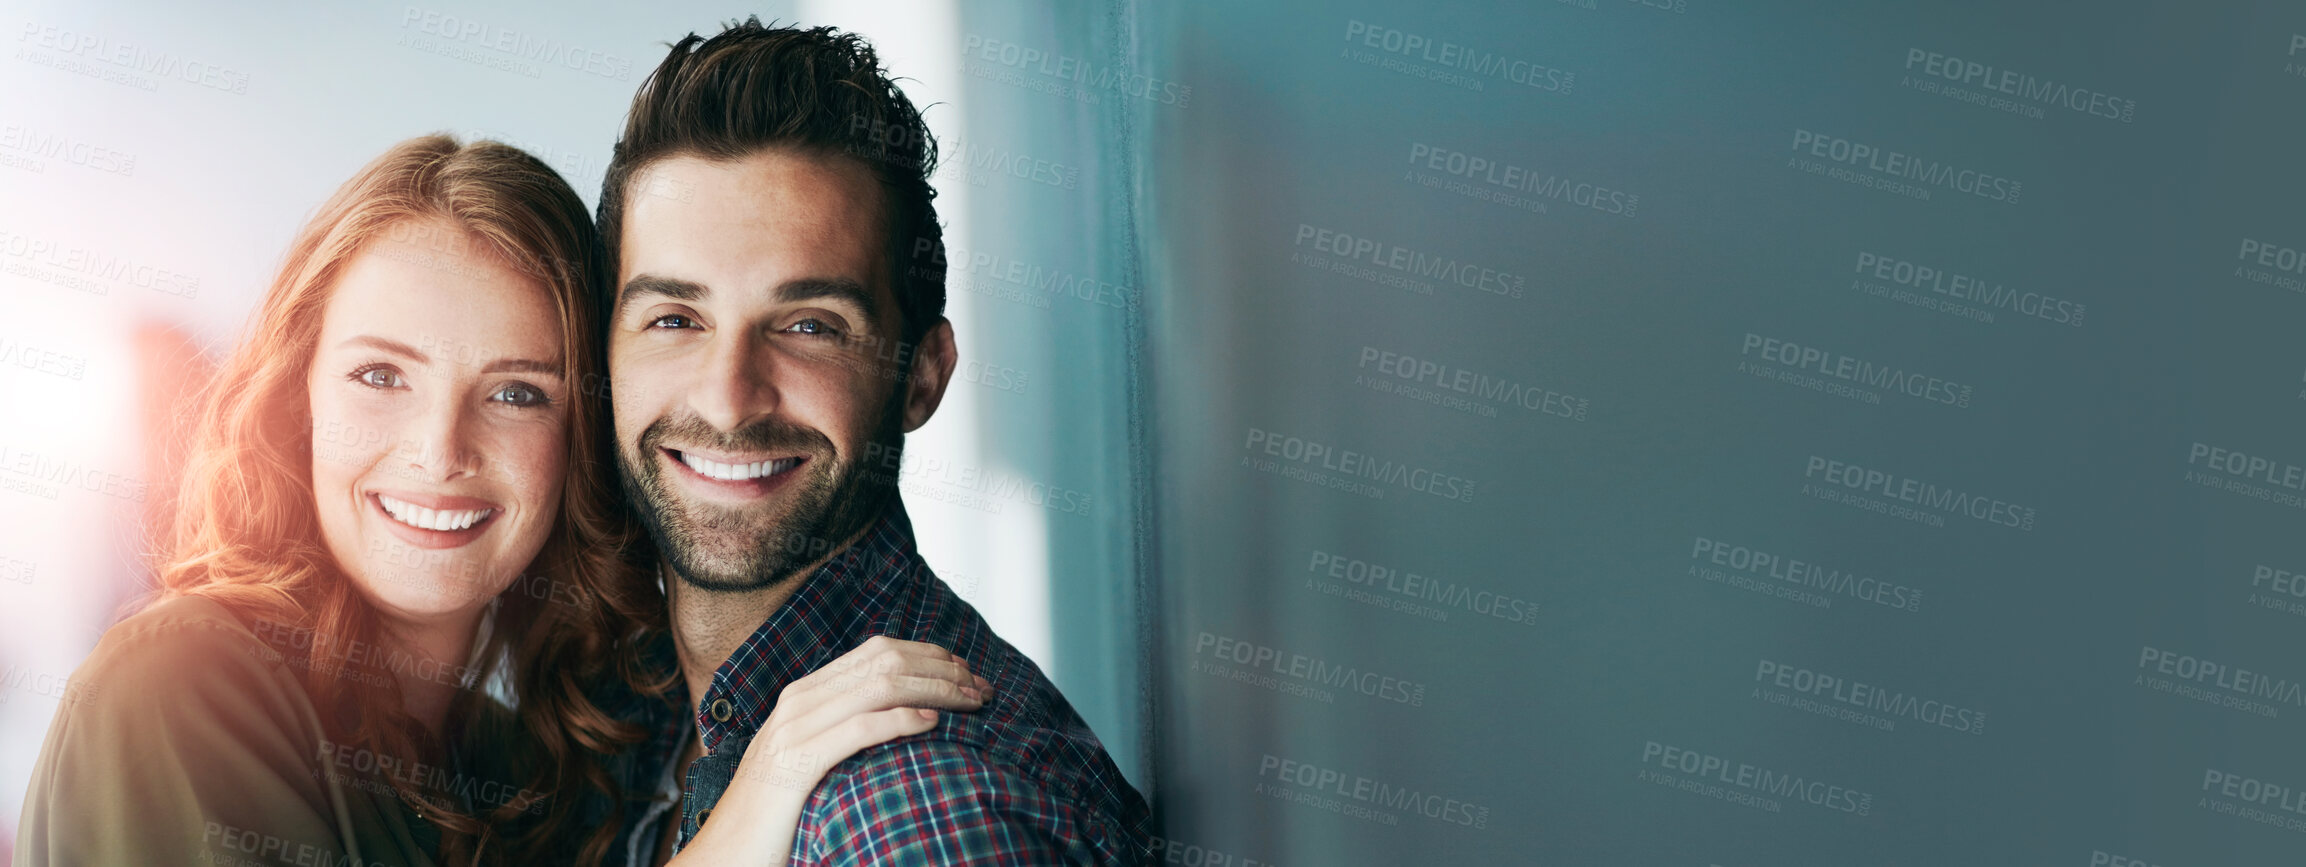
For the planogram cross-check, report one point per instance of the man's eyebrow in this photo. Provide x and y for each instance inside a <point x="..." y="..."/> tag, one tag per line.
<point x="651" y="284"/>
<point x="835" y="289"/>
<point x="788" y="292"/>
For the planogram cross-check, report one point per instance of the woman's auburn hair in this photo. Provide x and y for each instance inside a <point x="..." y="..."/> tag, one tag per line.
<point x="246" y="535"/>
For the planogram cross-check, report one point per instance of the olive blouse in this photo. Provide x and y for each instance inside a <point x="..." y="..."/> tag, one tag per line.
<point x="185" y="738"/>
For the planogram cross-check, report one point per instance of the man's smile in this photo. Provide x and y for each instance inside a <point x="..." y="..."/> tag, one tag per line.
<point x="732" y="476"/>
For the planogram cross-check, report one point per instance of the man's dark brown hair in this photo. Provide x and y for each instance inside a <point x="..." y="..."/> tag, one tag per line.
<point x="819" y="90"/>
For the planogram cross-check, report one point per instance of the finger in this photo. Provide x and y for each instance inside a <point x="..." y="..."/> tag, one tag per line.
<point x="827" y="710"/>
<point x="804" y="764"/>
<point x="866" y="730"/>
<point x="852" y="672"/>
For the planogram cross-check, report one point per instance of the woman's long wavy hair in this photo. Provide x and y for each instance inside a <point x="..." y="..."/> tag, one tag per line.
<point x="246" y="533"/>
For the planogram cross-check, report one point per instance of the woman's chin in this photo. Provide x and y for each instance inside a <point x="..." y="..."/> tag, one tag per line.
<point x="419" y="596"/>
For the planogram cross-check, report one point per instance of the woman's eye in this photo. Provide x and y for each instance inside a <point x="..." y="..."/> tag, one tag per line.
<point x="672" y="320"/>
<point x="379" y="376"/>
<point x="520" y="394"/>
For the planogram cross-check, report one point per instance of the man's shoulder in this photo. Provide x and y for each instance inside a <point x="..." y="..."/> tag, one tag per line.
<point x="1005" y="756"/>
<point x="1026" y="756"/>
<point x="1027" y="724"/>
<point x="949" y="797"/>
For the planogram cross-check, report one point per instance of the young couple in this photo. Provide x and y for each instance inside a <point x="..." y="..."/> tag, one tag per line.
<point x="504" y="540"/>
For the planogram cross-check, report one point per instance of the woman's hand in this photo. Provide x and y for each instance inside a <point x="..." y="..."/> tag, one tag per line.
<point x="884" y="689"/>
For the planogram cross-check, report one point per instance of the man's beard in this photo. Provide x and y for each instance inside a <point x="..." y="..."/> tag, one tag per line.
<point x="735" y="550"/>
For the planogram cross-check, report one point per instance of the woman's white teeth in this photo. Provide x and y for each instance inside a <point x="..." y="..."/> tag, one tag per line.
<point x="737" y="472"/>
<point x="431" y="519"/>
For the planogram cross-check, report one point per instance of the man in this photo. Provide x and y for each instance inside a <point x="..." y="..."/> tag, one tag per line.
<point x="776" y="326"/>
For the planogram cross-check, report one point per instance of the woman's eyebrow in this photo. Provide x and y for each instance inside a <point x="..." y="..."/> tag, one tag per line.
<point x="542" y="367"/>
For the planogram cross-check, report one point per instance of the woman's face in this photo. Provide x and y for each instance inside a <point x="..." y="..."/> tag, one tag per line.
<point x="439" y="418"/>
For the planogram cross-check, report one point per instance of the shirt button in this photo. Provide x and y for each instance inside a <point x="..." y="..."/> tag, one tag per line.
<point x="721" y="710"/>
<point x="702" y="815"/>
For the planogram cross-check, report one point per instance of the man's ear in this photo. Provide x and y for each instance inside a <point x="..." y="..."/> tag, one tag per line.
<point x="933" y="364"/>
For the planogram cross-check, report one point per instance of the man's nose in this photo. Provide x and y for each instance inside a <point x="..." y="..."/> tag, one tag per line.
<point x="735" y="386"/>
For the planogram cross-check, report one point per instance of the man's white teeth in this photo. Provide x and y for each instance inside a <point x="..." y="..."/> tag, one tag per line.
<point x="431" y="519"/>
<point x="737" y="472"/>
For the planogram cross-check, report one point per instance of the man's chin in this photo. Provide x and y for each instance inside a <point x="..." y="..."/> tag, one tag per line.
<point x="723" y="577"/>
<point x="731" y="553"/>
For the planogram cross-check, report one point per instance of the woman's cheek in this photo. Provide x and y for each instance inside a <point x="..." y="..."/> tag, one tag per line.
<point x="535" y="463"/>
<point x="344" y="445"/>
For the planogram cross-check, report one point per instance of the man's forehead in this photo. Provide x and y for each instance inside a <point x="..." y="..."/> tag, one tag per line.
<point x="763" y="219"/>
<point x="770" y="185"/>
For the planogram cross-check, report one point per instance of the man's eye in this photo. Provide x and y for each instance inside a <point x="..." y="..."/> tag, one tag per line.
<point x="672" y="320"/>
<point x="812" y="326"/>
<point x="520" y="394"/>
<point x="378" y="376"/>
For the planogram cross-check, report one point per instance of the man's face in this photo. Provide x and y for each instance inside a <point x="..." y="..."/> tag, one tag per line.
<point x="754" y="361"/>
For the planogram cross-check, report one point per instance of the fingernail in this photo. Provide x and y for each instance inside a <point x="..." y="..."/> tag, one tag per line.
<point x="927" y="714"/>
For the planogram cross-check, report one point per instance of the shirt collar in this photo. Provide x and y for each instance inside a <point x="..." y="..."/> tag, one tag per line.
<point x="829" y="614"/>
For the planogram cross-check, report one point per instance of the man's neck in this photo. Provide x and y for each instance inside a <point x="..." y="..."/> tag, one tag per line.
<point x="709" y="625"/>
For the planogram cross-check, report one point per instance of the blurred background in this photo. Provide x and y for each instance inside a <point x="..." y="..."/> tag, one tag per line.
<point x="1583" y="431"/>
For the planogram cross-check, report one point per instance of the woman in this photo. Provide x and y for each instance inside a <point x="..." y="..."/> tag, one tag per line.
<point x="396" y="505"/>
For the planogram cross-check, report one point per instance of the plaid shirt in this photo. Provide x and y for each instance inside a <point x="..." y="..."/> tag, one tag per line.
<point x="1020" y="781"/>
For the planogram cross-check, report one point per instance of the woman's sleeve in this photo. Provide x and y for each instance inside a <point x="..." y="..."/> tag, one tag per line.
<point x="181" y="744"/>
